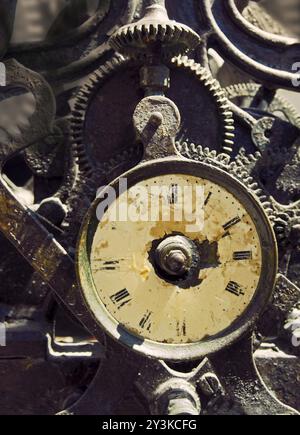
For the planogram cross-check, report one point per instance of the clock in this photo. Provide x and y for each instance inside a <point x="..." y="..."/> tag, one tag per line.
<point x="176" y="259"/>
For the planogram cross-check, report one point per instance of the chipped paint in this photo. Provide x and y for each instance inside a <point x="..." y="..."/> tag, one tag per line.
<point x="206" y="309"/>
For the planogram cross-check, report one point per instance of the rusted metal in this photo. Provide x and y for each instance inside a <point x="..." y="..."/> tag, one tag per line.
<point x="149" y="114"/>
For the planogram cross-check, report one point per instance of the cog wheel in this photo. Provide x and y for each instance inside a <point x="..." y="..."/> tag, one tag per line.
<point x="88" y="151"/>
<point x="154" y="28"/>
<point x="101" y="156"/>
<point x="243" y="94"/>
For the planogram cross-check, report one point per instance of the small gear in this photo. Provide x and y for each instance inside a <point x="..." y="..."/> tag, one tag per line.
<point x="285" y="217"/>
<point x="243" y="93"/>
<point x="153" y="30"/>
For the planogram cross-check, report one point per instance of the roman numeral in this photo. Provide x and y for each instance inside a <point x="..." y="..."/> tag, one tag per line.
<point x="235" y="289"/>
<point x="232" y="223"/>
<point x="226" y="235"/>
<point x="110" y="265"/>
<point x="208" y="198"/>
<point x="242" y="255"/>
<point x="181" y="329"/>
<point x="173" y="196"/>
<point x="107" y="265"/>
<point x="146" y="321"/>
<point x="121" y="298"/>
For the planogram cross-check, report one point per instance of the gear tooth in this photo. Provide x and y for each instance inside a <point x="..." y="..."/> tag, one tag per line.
<point x="162" y="32"/>
<point x="193" y="148"/>
<point x="263" y="198"/>
<point x="229" y="128"/>
<point x="229" y="135"/>
<point x="228" y="142"/>
<point x="269" y="211"/>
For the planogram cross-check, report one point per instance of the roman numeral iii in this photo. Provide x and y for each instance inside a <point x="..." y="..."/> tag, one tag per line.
<point x="121" y="298"/>
<point x="235" y="289"/>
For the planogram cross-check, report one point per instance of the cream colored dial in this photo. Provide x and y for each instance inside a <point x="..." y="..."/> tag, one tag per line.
<point x="167" y="309"/>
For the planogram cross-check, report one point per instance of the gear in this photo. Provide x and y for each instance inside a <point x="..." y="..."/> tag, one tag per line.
<point x="155" y="27"/>
<point x="96" y="165"/>
<point x="88" y="157"/>
<point x="243" y="93"/>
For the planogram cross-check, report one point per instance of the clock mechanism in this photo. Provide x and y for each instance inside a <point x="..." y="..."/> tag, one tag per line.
<point x="187" y="287"/>
<point x="164" y="234"/>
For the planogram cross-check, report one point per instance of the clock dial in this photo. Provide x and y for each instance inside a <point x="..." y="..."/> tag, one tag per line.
<point x="178" y="278"/>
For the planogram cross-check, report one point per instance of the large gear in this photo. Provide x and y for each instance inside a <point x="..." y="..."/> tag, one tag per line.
<point x="86" y="159"/>
<point x="97" y="166"/>
<point x="77" y="120"/>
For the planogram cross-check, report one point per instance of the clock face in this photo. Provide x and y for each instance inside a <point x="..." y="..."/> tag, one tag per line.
<point x="181" y="265"/>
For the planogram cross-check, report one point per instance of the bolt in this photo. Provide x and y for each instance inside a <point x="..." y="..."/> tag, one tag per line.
<point x="177" y="262"/>
<point x="174" y="255"/>
<point x="210" y="384"/>
<point x="176" y="397"/>
<point x="156" y="119"/>
<point x="182" y="406"/>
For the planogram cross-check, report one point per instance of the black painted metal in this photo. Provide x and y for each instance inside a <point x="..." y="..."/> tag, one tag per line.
<point x="76" y="140"/>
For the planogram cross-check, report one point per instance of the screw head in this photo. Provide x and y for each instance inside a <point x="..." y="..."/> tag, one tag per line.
<point x="210" y="384"/>
<point x="156" y="119"/>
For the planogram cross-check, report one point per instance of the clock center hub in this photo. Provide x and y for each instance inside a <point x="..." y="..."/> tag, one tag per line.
<point x="174" y="255"/>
